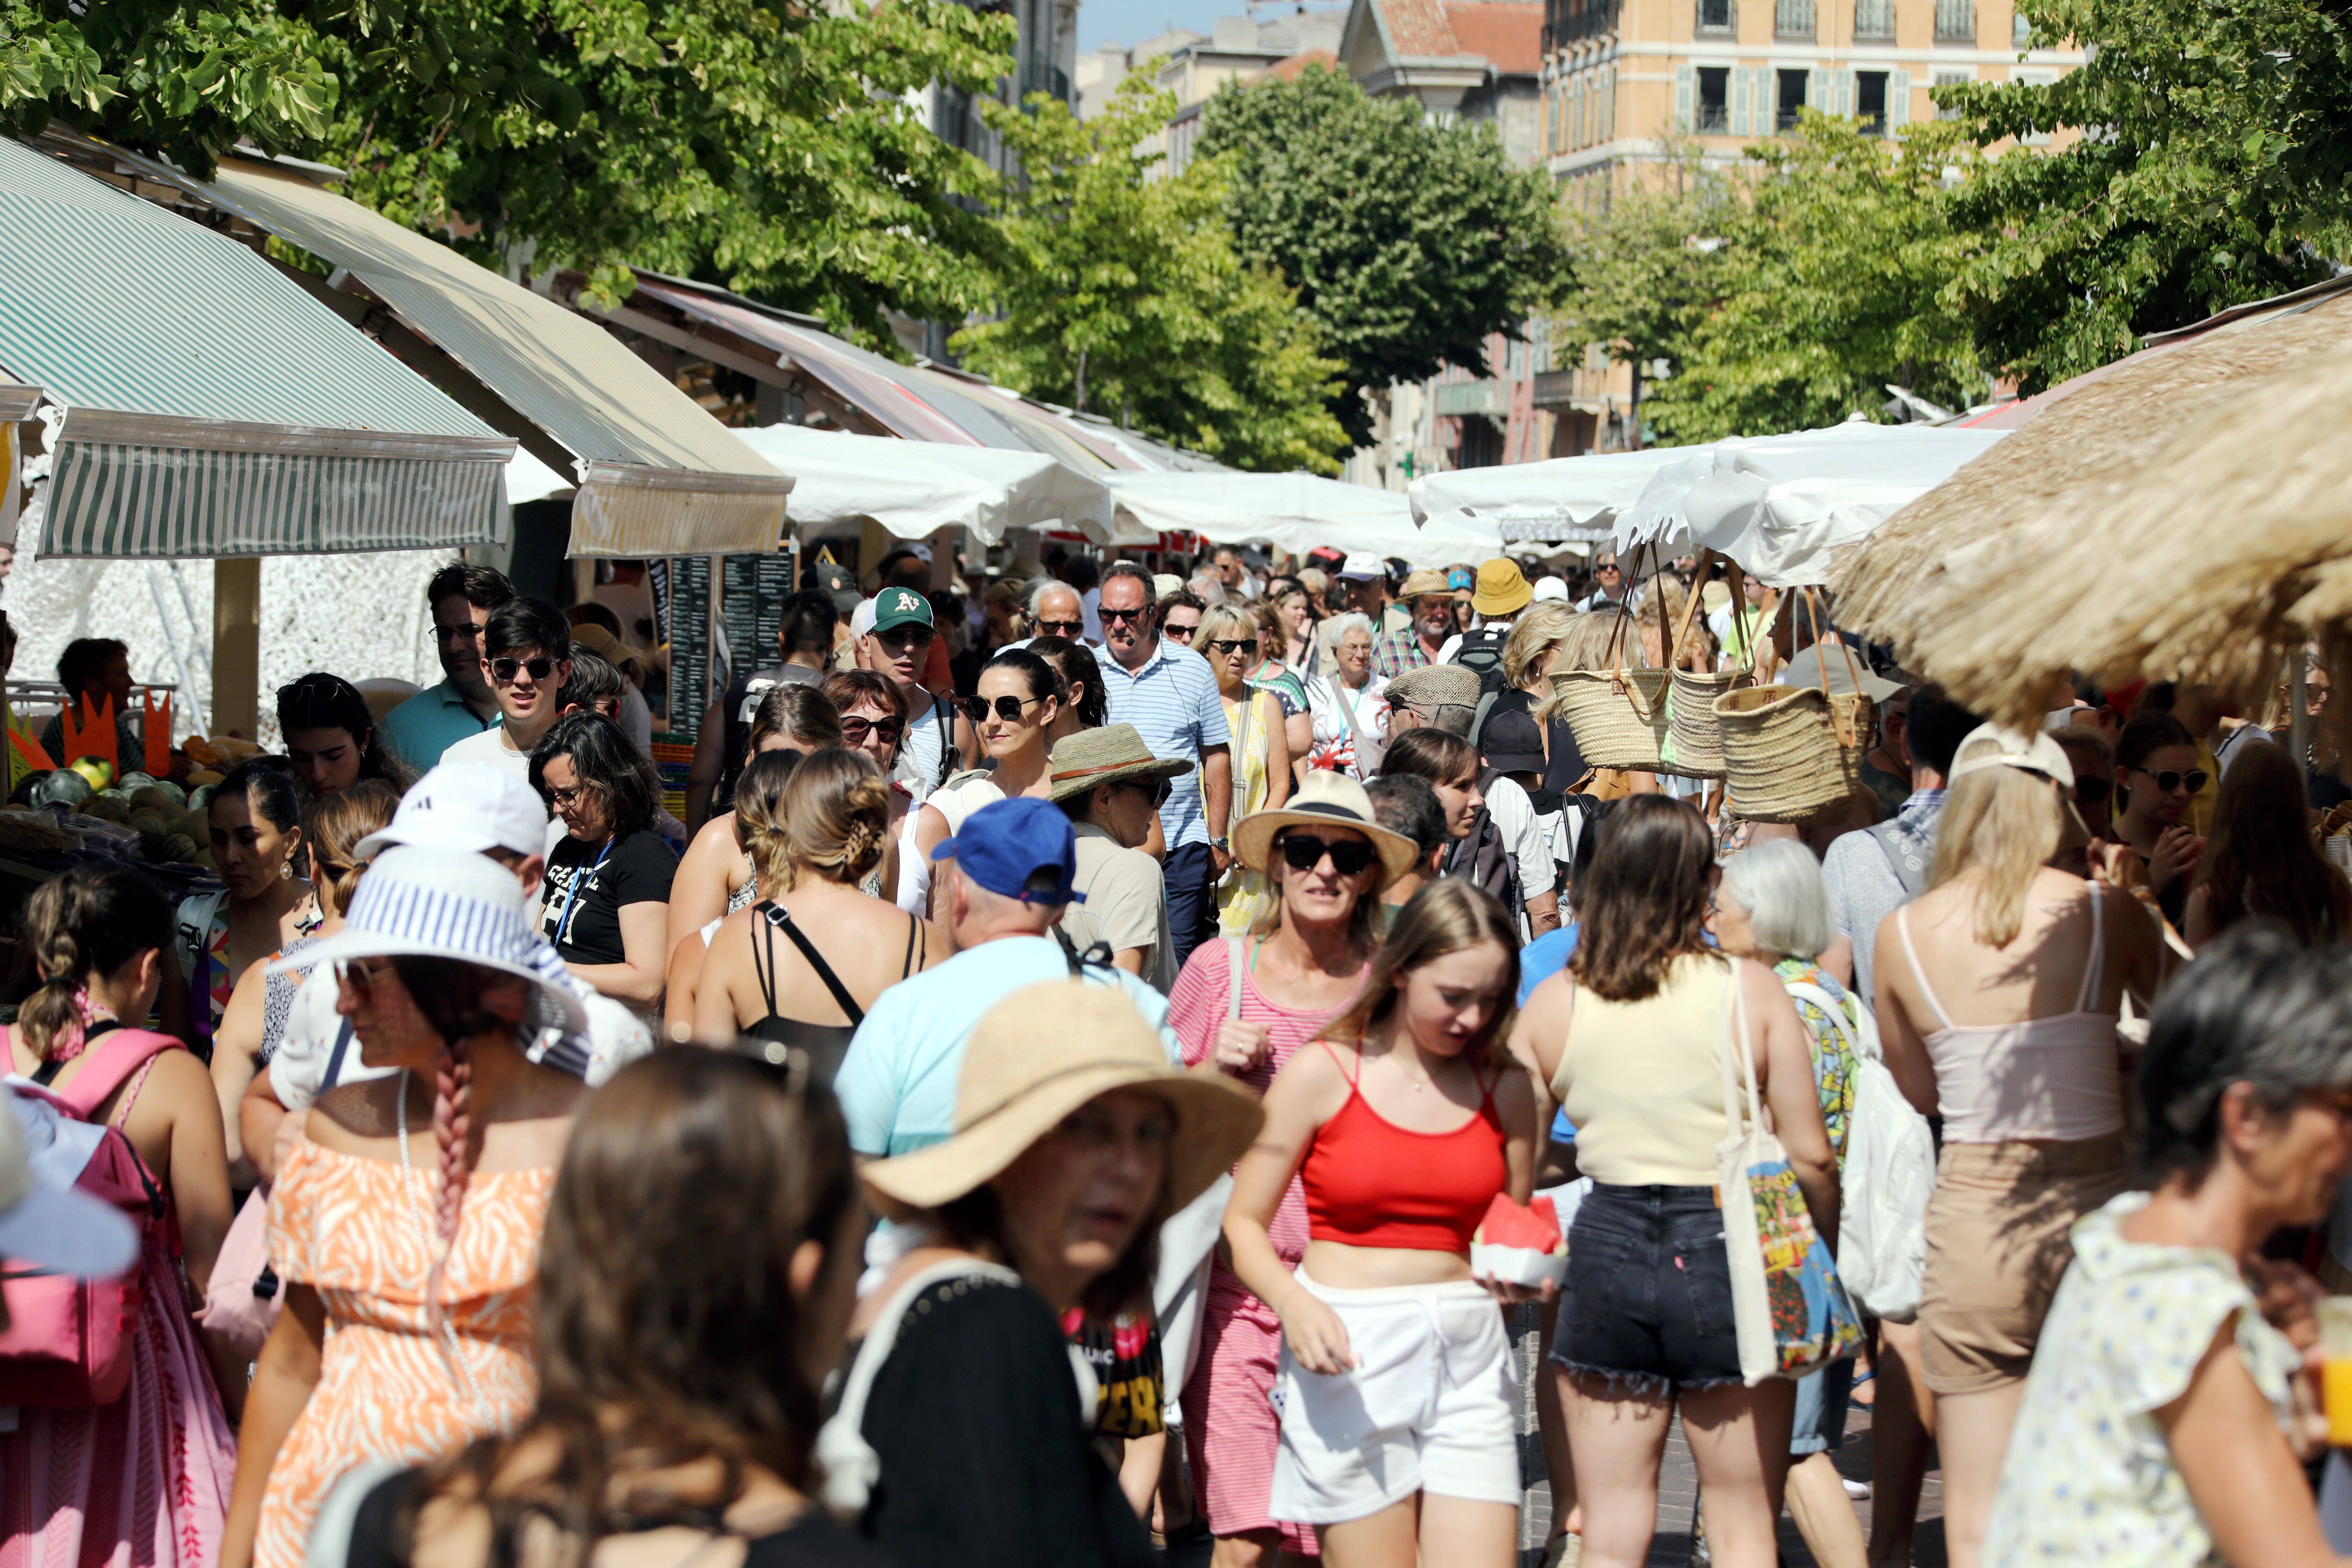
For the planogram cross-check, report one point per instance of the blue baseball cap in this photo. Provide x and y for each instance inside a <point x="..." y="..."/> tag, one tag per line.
<point x="1006" y="844"/>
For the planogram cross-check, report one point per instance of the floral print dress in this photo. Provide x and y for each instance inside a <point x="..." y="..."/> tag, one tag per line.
<point x="1833" y="1055"/>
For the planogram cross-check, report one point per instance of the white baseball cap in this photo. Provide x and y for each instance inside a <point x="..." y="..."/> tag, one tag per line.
<point x="472" y="806"/>
<point x="43" y="1221"/>
<point x="1550" y="590"/>
<point x="2009" y="749"/>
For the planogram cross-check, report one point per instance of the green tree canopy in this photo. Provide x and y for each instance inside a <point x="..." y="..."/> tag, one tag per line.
<point x="1408" y="241"/>
<point x="772" y="148"/>
<point x="1825" y="287"/>
<point x="2214" y="167"/>
<point x="1122" y="294"/>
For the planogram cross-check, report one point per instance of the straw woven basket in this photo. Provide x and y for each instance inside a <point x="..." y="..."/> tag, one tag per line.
<point x="1790" y="753"/>
<point x="1698" y="734"/>
<point x="1618" y="716"/>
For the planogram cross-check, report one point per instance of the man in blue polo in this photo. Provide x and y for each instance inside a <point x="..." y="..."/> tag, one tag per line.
<point x="1170" y="695"/>
<point x="1006" y="877"/>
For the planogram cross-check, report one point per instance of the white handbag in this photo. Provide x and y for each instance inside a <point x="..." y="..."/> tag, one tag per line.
<point x="1888" y="1174"/>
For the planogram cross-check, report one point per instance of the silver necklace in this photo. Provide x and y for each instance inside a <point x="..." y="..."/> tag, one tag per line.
<point x="487" y="1416"/>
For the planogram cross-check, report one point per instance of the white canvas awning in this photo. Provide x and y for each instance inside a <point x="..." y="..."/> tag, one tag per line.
<point x="1557" y="502"/>
<point x="1297" y="512"/>
<point x="656" y="475"/>
<point x="913" y="488"/>
<point x="1778" y="505"/>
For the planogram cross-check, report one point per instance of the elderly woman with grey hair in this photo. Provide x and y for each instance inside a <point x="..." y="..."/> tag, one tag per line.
<point x="2171" y="1400"/>
<point x="1773" y="906"/>
<point x="1351" y="720"/>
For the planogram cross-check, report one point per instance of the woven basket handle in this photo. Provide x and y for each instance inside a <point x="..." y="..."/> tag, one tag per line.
<point x="1690" y="611"/>
<point x="1615" y="650"/>
<point x="1841" y="723"/>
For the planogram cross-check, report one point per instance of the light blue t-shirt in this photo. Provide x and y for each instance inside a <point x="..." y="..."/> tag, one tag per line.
<point x="897" y="1084"/>
<point x="429" y="723"/>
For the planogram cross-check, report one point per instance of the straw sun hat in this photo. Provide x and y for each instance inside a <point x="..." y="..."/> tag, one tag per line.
<point x="1112" y="753"/>
<point x="1040" y="1054"/>
<point x="1327" y="799"/>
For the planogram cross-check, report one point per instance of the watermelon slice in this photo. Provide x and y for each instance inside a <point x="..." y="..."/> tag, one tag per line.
<point x="1519" y="1243"/>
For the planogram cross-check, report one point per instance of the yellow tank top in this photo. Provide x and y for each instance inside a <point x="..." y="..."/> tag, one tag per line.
<point x="1643" y="1081"/>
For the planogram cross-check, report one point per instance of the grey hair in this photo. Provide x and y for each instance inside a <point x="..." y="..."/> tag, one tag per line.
<point x="2257" y="1008"/>
<point x="1781" y="886"/>
<point x="1042" y="587"/>
<point x="1210" y="592"/>
<point x="1339" y="626"/>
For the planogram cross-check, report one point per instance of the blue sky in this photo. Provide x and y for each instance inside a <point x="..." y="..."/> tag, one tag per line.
<point x="1132" y="21"/>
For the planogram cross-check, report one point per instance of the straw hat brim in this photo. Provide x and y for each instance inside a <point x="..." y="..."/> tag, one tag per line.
<point x="1509" y="602"/>
<point x="1252" y="836"/>
<point x="1148" y="768"/>
<point x="559" y="1006"/>
<point x="1215" y="1121"/>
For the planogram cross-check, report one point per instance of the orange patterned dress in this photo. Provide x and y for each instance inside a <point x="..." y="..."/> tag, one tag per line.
<point x="342" y="1224"/>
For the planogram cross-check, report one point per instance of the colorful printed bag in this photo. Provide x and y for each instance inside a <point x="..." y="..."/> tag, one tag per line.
<point x="1791" y="1314"/>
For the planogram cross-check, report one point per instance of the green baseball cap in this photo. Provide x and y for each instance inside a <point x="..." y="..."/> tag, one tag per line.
<point x="899" y="608"/>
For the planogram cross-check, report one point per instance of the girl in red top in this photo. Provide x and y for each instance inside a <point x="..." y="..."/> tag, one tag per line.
<point x="1401" y="1124"/>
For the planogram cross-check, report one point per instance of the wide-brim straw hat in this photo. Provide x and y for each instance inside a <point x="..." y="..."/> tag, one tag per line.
<point x="423" y="901"/>
<point x="1109" y="754"/>
<point x="1424" y="581"/>
<point x="1037" y="1056"/>
<point x="1500" y="589"/>
<point x="1327" y="799"/>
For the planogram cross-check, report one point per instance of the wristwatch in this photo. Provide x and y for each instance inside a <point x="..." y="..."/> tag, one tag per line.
<point x="1222" y="844"/>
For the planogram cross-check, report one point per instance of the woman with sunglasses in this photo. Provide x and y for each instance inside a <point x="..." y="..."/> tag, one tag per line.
<point x="873" y="721"/>
<point x="1230" y="639"/>
<point x="715" y="877"/>
<point x="1999" y="990"/>
<point x="1242" y="1007"/>
<point x="1180" y="617"/>
<point x="331" y="734"/>
<point x="2155" y="768"/>
<point x="1019" y="702"/>
<point x="606" y="903"/>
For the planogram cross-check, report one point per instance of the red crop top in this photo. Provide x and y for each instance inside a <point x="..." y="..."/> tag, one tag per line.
<point x="1371" y="1182"/>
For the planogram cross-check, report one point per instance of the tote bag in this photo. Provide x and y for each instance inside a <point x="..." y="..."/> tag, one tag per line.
<point x="1889" y="1173"/>
<point x="1791" y="1314"/>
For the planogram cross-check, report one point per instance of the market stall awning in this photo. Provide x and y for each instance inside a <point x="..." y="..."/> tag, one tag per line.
<point x="913" y="488"/>
<point x="1297" y="512"/>
<point x="17" y="402"/>
<point x="213" y="408"/>
<point x="657" y="475"/>
<point x="1561" y="500"/>
<point x="1778" y="505"/>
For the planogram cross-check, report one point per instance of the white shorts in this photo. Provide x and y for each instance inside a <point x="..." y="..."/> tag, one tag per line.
<point x="1427" y="1407"/>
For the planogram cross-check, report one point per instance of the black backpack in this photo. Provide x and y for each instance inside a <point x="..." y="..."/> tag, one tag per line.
<point x="1482" y="652"/>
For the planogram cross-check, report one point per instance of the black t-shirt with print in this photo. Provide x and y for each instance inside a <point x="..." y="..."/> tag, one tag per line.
<point x="636" y="870"/>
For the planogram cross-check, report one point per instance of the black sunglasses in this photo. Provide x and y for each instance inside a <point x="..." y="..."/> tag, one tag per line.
<point x="1050" y="626"/>
<point x="1138" y="614"/>
<point x="890" y="729"/>
<point x="1234" y="644"/>
<point x="2171" y="779"/>
<point x="2090" y="792"/>
<point x="1304" y="852"/>
<point x="1007" y="708"/>
<point x="504" y="670"/>
<point x="1181" y="633"/>
<point x="1157" y="789"/>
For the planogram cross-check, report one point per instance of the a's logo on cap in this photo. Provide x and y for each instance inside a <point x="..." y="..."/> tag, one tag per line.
<point x="904" y="601"/>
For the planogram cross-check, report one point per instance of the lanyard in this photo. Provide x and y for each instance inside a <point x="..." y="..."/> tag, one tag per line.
<point x="572" y="894"/>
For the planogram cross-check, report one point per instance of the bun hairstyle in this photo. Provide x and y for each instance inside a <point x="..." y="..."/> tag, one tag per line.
<point x="837" y="811"/>
<point x="89" y="921"/>
<point x="759" y="817"/>
<point x="268" y="789"/>
<point x="332" y="830"/>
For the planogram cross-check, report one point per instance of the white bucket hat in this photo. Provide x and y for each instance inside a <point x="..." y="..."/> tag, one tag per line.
<point x="419" y="902"/>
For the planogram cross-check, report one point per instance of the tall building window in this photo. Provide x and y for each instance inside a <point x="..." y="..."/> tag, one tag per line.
<point x="1870" y="101"/>
<point x="2020" y="28"/>
<point x="1789" y="98"/>
<point x="1874" y="19"/>
<point x="1793" y="18"/>
<point x="1955" y="21"/>
<point x="1950" y="79"/>
<point x="1714" y="100"/>
<point x="1715" y="15"/>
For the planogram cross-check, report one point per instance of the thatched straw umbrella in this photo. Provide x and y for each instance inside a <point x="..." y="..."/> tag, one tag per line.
<point x="2190" y="513"/>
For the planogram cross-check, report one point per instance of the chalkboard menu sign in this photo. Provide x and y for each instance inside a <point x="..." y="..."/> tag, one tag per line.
<point x="754" y="589"/>
<point x="688" y="621"/>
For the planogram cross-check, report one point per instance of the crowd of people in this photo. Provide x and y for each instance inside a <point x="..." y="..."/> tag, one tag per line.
<point x="1039" y="1100"/>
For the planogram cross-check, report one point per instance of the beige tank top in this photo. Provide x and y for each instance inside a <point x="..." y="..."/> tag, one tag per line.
<point x="1643" y="1081"/>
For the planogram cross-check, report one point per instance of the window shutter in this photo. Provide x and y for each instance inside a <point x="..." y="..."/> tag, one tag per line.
<point x="1898" y="101"/>
<point x="1818" y="91"/>
<point x="1846" y="92"/>
<point x="1743" y="100"/>
<point x="1685" y="97"/>
<point x="1609" y="104"/>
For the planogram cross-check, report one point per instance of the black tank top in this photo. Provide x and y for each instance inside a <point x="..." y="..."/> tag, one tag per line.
<point x="825" y="1044"/>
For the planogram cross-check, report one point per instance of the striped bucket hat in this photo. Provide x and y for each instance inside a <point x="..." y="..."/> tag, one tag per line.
<point x="420" y="901"/>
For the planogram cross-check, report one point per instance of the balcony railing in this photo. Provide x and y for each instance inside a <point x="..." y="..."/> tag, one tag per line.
<point x="1955" y="21"/>
<point x="1715" y="17"/>
<point x="1793" y="18"/>
<point x="1714" y="119"/>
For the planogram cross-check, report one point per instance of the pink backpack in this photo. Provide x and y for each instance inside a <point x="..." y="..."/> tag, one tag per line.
<point x="69" y="1341"/>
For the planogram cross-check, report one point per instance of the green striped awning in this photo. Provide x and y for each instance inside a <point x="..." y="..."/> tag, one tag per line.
<point x="211" y="407"/>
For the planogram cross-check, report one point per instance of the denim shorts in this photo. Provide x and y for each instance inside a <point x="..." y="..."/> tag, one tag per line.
<point x="1649" y="1290"/>
<point x="1822" y="1400"/>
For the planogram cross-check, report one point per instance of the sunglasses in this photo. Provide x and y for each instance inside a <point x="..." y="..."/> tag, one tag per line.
<point x="1072" y="627"/>
<point x="503" y="671"/>
<point x="1178" y="632"/>
<point x="1006" y="707"/>
<point x="890" y="729"/>
<point x="1234" y="644"/>
<point x="2092" y="792"/>
<point x="1137" y="614"/>
<point x="1157" y="789"/>
<point x="359" y="976"/>
<point x="2169" y="780"/>
<point x="1304" y="852"/>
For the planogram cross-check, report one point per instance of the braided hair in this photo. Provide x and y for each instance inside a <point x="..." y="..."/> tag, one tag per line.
<point x="88" y="921"/>
<point x="837" y="817"/>
<point x="449" y="994"/>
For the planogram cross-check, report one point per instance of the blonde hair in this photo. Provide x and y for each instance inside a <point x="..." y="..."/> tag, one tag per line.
<point x="2000" y="826"/>
<point x="836" y="820"/>
<point x="1445" y="917"/>
<point x="1541" y="627"/>
<point x="1229" y="622"/>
